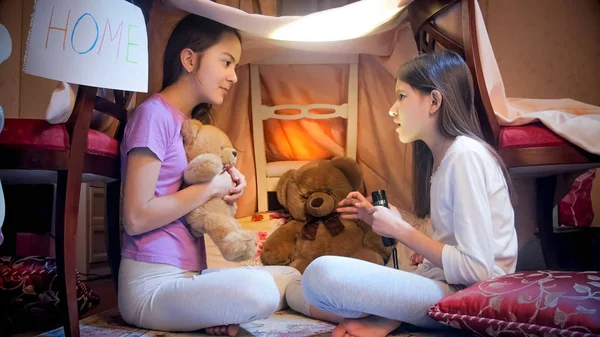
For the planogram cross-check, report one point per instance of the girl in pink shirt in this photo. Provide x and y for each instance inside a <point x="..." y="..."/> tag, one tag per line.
<point x="163" y="283"/>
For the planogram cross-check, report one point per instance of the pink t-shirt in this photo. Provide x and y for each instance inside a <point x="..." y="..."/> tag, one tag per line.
<point x="156" y="125"/>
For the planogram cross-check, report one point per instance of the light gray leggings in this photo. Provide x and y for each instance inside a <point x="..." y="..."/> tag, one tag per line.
<point x="163" y="297"/>
<point x="349" y="288"/>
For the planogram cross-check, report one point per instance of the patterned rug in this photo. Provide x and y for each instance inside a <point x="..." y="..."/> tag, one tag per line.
<point x="281" y="324"/>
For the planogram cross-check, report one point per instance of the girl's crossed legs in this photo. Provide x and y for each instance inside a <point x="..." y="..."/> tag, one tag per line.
<point x="353" y="289"/>
<point x="164" y="297"/>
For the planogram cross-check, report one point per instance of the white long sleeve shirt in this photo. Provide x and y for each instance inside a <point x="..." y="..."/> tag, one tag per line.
<point x="472" y="216"/>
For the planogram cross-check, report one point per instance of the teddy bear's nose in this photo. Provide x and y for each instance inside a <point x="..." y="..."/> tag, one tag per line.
<point x="316" y="202"/>
<point x="234" y="153"/>
<point x="319" y="204"/>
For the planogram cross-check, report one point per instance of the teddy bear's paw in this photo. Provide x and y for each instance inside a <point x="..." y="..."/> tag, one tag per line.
<point x="238" y="246"/>
<point x="248" y="254"/>
<point x="251" y="245"/>
<point x="203" y="168"/>
<point x="279" y="255"/>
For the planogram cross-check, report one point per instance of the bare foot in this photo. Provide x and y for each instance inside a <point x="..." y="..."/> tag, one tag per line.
<point x="224" y="330"/>
<point x="370" y="326"/>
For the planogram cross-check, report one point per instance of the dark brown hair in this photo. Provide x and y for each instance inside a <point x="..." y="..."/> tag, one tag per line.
<point x="197" y="33"/>
<point x="446" y="72"/>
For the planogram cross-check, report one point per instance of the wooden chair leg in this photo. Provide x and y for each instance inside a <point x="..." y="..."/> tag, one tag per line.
<point x="544" y="205"/>
<point x="112" y="228"/>
<point x="67" y="209"/>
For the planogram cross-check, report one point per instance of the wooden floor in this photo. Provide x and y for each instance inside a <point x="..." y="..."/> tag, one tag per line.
<point x="105" y="289"/>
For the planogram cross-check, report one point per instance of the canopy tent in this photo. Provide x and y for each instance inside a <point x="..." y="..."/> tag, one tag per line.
<point x="379" y="31"/>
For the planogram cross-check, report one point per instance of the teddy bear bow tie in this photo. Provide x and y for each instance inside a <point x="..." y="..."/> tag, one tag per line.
<point x="332" y="223"/>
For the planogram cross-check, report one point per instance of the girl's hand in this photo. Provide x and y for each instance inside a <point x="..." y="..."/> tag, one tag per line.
<point x="388" y="222"/>
<point x="416" y="259"/>
<point x="384" y="221"/>
<point x="235" y="193"/>
<point x="356" y="207"/>
<point x="221" y="184"/>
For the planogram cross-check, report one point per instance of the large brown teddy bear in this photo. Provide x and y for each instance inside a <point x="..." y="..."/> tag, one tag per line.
<point x="311" y="194"/>
<point x="209" y="152"/>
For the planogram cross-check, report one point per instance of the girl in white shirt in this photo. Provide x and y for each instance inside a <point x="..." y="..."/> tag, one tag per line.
<point x="460" y="181"/>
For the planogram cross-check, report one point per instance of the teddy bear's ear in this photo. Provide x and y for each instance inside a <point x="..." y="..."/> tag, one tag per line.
<point x="282" y="187"/>
<point x="189" y="129"/>
<point x="351" y="170"/>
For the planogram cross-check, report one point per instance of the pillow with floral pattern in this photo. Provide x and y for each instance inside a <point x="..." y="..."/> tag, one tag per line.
<point x="533" y="303"/>
<point x="29" y="294"/>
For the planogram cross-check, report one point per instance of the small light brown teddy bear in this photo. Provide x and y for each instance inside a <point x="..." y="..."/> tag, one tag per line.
<point x="209" y="152"/>
<point x="311" y="194"/>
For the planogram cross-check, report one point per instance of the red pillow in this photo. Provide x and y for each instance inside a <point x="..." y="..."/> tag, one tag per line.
<point x="540" y="303"/>
<point x="576" y="209"/>
<point x="29" y="295"/>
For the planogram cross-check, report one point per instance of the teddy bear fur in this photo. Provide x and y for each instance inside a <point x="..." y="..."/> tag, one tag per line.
<point x="209" y="152"/>
<point x="311" y="193"/>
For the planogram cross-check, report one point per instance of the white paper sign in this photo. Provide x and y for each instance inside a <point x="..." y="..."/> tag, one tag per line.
<point x="100" y="43"/>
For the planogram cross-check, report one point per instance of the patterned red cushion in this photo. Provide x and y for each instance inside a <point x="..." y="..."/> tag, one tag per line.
<point x="29" y="294"/>
<point x="537" y="303"/>
<point x="39" y="134"/>
<point x="531" y="135"/>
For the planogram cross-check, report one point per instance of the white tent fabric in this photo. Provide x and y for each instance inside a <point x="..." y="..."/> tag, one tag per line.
<point x="358" y="28"/>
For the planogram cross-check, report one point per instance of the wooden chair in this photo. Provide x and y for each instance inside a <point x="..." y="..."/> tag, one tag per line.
<point x="34" y="151"/>
<point x="451" y="25"/>
<point x="268" y="174"/>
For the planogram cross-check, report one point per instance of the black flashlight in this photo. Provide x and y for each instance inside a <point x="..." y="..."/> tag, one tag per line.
<point x="379" y="199"/>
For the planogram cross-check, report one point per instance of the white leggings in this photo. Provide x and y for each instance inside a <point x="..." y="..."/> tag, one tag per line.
<point x="163" y="297"/>
<point x="350" y="287"/>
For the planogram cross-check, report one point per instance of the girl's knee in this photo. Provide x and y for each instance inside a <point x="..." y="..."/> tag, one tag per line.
<point x="322" y="277"/>
<point x="261" y="294"/>
<point x="323" y="270"/>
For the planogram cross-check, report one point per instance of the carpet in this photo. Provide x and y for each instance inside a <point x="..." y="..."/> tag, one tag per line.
<point x="284" y="323"/>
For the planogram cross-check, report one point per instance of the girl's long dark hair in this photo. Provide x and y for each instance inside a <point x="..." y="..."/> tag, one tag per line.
<point x="197" y="33"/>
<point x="446" y="72"/>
